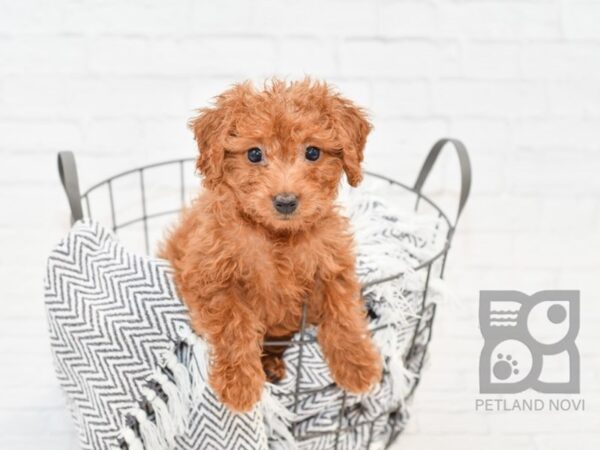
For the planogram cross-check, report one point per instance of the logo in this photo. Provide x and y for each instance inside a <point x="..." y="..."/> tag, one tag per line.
<point x="529" y="342"/>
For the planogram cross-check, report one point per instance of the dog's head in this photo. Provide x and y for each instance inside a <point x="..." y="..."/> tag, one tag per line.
<point x="280" y="152"/>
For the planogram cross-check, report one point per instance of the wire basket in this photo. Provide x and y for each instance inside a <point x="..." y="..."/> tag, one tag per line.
<point x="139" y="203"/>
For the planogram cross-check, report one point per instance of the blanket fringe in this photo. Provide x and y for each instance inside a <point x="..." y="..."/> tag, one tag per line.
<point x="164" y="422"/>
<point x="199" y="365"/>
<point x="401" y="377"/>
<point x="149" y="432"/>
<point x="180" y="373"/>
<point x="277" y="418"/>
<point x="182" y="384"/>
<point x="130" y="439"/>
<point x="178" y="400"/>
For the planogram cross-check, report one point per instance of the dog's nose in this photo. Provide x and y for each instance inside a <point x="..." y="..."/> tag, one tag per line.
<point x="285" y="203"/>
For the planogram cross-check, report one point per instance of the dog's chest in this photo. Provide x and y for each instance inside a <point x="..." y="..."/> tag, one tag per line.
<point x="281" y="277"/>
<point x="287" y="265"/>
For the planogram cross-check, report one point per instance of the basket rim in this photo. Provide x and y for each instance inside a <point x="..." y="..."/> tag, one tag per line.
<point x="419" y="196"/>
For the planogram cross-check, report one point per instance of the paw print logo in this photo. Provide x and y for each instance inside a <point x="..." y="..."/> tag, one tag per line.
<point x="505" y="367"/>
<point x="529" y="340"/>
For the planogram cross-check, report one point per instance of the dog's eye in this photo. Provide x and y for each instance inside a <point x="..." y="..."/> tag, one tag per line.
<point x="312" y="153"/>
<point x="255" y="155"/>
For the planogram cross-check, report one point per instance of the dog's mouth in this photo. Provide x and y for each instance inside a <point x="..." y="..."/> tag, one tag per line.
<point x="285" y="216"/>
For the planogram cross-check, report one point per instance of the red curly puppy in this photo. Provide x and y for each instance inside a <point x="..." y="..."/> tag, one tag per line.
<point x="265" y="235"/>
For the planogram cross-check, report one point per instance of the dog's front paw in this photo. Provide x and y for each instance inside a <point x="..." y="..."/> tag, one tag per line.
<point x="359" y="370"/>
<point x="239" y="390"/>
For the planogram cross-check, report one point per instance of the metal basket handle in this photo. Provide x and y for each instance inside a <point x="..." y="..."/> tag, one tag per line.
<point x="465" y="171"/>
<point x="67" y="171"/>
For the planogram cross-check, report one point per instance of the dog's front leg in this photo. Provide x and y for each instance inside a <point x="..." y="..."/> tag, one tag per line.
<point x="345" y="340"/>
<point x="236" y="335"/>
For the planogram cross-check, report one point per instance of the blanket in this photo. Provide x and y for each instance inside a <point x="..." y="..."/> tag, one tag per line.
<point x="134" y="373"/>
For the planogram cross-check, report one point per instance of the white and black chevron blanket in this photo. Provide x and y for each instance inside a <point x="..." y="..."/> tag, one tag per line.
<point x="135" y="375"/>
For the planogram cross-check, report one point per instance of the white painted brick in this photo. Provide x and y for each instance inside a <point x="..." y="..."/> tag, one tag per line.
<point x="43" y="423"/>
<point x="76" y="99"/>
<point x="585" y="441"/>
<point x="32" y="17"/>
<point x="464" y="346"/>
<point x="568" y="137"/>
<point x="120" y="55"/>
<point x="224" y="17"/>
<point x="552" y="250"/>
<point x="586" y="281"/>
<point x="561" y="213"/>
<point x="488" y="141"/>
<point x="577" y="99"/>
<point x="167" y="138"/>
<point x="114" y="136"/>
<point x="489" y="98"/>
<point x="17" y="169"/>
<point x="415" y="136"/>
<point x="193" y="56"/>
<point x="17" y="274"/>
<point x="35" y="135"/>
<point x="558" y="60"/>
<point x="580" y="19"/>
<point x="202" y="91"/>
<point x="572" y="172"/>
<point x="402" y="59"/>
<point x="445" y="379"/>
<point x="26" y="55"/>
<point x="33" y="397"/>
<point x="131" y="98"/>
<point x="588" y="347"/>
<point x="141" y="17"/>
<point x="359" y="91"/>
<point x="398" y="99"/>
<point x="28" y="373"/>
<point x="410" y="138"/>
<point x="505" y="20"/>
<point x="515" y="422"/>
<point x="442" y="423"/>
<point x="491" y="60"/>
<point x="26" y="302"/>
<point x="19" y="213"/>
<point x="449" y="59"/>
<point x="93" y="167"/>
<point x="231" y="56"/>
<point x="503" y="213"/>
<point x="490" y="249"/>
<point x="35" y="97"/>
<point x="304" y="56"/>
<point x="462" y="442"/>
<point x="314" y="17"/>
<point x="27" y="441"/>
<point x="407" y="19"/>
<point x="434" y="402"/>
<point x="25" y="253"/>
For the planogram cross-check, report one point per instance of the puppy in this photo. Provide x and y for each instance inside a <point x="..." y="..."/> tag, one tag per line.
<point x="264" y="236"/>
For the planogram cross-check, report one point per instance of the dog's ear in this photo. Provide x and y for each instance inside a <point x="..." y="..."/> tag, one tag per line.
<point x="353" y="129"/>
<point x="210" y="128"/>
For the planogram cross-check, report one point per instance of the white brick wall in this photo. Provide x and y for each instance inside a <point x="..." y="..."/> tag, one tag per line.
<point x="517" y="80"/>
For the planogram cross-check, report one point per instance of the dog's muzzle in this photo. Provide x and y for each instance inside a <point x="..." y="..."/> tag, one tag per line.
<point x="285" y="203"/>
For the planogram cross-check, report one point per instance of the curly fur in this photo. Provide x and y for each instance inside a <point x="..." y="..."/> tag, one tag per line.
<point x="243" y="269"/>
